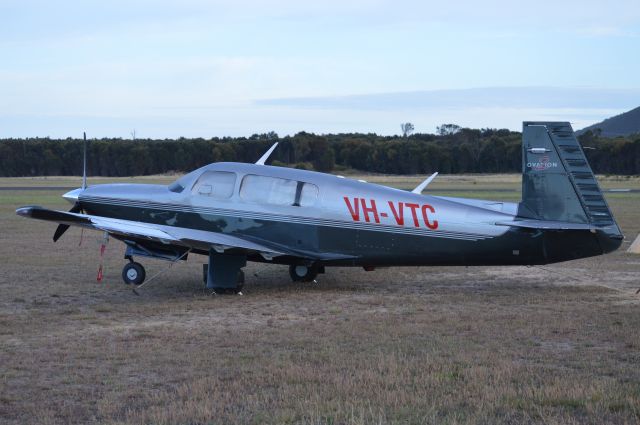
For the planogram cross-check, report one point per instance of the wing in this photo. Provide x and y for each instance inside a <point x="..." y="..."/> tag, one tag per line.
<point x="171" y="235"/>
<point x="164" y="234"/>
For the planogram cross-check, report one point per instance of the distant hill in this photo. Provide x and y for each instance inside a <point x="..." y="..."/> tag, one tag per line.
<point x="620" y="125"/>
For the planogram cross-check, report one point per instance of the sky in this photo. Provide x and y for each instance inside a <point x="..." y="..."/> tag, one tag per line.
<point x="198" y="68"/>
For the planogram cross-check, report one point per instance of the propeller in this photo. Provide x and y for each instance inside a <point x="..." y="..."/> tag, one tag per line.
<point x="64" y="227"/>
<point x="76" y="207"/>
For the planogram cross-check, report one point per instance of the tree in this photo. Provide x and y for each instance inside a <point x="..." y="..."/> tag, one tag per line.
<point x="447" y="129"/>
<point x="407" y="129"/>
<point x="466" y="150"/>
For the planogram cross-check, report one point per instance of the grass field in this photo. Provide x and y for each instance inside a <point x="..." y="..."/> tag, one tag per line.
<point x="552" y="345"/>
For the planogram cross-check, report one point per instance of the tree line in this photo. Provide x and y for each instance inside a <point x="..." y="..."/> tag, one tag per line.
<point x="460" y="151"/>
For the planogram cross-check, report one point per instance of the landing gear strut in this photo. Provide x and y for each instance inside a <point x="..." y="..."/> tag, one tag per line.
<point x="133" y="273"/>
<point x="302" y="273"/>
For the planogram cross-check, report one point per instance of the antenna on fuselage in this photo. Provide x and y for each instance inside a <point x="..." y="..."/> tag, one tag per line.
<point x="84" y="162"/>
<point x="425" y="183"/>
<point x="266" y="155"/>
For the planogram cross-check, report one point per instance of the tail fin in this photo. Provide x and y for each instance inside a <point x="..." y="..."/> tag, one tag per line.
<point x="557" y="182"/>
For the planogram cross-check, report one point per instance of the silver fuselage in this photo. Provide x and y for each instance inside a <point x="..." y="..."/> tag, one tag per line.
<point x="359" y="223"/>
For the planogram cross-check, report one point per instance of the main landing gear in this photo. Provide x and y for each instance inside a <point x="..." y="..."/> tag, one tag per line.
<point x="223" y="274"/>
<point x="133" y="273"/>
<point x="302" y="273"/>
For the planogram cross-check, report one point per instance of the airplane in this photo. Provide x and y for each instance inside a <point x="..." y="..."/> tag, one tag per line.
<point x="239" y="212"/>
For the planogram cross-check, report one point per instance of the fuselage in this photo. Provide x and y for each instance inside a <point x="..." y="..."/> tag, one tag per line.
<point x="363" y="224"/>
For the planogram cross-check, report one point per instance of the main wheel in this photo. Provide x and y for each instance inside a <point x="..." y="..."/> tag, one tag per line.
<point x="301" y="273"/>
<point x="133" y="273"/>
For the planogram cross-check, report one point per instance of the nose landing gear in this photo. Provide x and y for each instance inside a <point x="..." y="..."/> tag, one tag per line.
<point x="133" y="273"/>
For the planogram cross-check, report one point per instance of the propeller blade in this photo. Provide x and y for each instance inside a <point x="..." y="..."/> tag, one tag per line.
<point x="64" y="227"/>
<point x="60" y="231"/>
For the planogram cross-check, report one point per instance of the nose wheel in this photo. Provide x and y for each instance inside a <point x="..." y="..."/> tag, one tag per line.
<point x="301" y="273"/>
<point x="133" y="273"/>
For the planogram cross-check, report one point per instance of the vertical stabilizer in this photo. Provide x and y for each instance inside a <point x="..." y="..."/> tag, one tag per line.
<point x="558" y="185"/>
<point x="557" y="181"/>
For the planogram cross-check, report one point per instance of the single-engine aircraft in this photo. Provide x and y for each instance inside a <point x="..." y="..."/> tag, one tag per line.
<point x="238" y="212"/>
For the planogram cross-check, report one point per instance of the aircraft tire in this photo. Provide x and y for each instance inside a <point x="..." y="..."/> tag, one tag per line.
<point x="133" y="273"/>
<point x="301" y="273"/>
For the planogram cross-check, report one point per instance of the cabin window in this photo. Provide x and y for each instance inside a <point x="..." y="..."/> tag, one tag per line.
<point x="268" y="190"/>
<point x="215" y="184"/>
<point x="308" y="194"/>
<point x="277" y="191"/>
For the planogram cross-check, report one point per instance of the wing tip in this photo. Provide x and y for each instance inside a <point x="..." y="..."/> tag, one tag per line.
<point x="27" y="211"/>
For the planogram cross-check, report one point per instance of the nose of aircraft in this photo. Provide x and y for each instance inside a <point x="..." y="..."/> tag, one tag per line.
<point x="73" y="195"/>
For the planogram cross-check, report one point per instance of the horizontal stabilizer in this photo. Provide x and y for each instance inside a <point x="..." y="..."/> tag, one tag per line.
<point x="547" y="225"/>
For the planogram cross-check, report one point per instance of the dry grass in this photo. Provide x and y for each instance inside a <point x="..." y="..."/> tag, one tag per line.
<point x="408" y="345"/>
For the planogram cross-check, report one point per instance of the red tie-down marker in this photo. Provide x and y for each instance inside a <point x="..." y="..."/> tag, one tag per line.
<point x="103" y="248"/>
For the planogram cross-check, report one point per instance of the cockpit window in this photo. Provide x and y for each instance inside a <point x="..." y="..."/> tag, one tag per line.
<point x="277" y="191"/>
<point x="215" y="184"/>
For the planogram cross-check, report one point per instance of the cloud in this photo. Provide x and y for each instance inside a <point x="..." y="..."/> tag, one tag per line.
<point x="500" y="97"/>
<point x="247" y="120"/>
<point x="322" y="66"/>
<point x="42" y="20"/>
